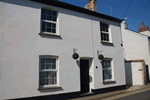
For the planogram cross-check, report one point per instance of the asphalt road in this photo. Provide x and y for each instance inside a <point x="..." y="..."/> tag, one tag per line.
<point x="139" y="96"/>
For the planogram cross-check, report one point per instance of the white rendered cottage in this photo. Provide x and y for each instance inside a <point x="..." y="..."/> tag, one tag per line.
<point x="137" y="54"/>
<point x="38" y="39"/>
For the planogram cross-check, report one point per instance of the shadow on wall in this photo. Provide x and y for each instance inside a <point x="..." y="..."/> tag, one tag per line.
<point x="23" y="3"/>
<point x="108" y="44"/>
<point x="50" y="90"/>
<point x="50" y="36"/>
<point x="128" y="72"/>
<point x="147" y="74"/>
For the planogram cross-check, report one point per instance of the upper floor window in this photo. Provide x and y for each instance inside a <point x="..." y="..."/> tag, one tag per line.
<point x="104" y="32"/>
<point x="49" y="21"/>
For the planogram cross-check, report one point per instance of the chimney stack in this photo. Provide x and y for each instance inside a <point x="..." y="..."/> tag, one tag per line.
<point x="92" y="5"/>
<point x="143" y="28"/>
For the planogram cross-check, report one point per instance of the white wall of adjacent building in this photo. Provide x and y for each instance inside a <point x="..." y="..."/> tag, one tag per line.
<point x="21" y="45"/>
<point x="134" y="73"/>
<point x="136" y="46"/>
<point x="146" y="33"/>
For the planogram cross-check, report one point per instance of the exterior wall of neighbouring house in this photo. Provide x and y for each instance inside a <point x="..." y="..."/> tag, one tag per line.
<point x="21" y="45"/>
<point x="136" y="46"/>
<point x="146" y="33"/>
<point x="134" y="74"/>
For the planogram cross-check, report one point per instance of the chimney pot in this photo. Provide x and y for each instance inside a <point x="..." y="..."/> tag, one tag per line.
<point x="143" y="28"/>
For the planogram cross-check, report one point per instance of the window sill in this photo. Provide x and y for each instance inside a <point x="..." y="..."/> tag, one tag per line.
<point x="49" y="34"/>
<point x="46" y="88"/>
<point x="110" y="81"/>
<point x="107" y="42"/>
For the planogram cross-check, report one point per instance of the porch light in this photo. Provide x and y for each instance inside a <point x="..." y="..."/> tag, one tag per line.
<point x="75" y="56"/>
<point x="100" y="57"/>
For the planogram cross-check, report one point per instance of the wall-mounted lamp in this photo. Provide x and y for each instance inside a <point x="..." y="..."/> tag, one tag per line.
<point x="100" y="56"/>
<point x="75" y="54"/>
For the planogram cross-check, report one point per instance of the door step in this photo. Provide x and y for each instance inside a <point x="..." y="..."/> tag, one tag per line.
<point x="87" y="94"/>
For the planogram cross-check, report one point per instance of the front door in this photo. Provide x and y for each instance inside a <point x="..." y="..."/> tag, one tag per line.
<point x="84" y="75"/>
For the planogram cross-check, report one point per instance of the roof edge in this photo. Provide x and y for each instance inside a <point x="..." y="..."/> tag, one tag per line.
<point x="78" y="9"/>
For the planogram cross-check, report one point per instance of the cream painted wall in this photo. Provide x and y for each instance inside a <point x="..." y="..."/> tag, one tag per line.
<point x="134" y="73"/>
<point x="136" y="46"/>
<point x="21" y="45"/>
<point x="146" y="33"/>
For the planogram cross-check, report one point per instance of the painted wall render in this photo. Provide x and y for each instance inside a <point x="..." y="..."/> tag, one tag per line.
<point x="21" y="45"/>
<point x="136" y="46"/>
<point x="134" y="73"/>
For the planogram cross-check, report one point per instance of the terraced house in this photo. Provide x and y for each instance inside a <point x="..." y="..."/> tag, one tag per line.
<point x="48" y="47"/>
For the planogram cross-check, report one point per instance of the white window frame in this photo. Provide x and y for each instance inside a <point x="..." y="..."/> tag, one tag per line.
<point x="112" y="69"/>
<point x="49" y="70"/>
<point x="57" y="22"/>
<point x="109" y="32"/>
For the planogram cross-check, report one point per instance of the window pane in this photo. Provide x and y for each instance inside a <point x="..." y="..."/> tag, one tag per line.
<point x="52" y="80"/>
<point x="54" y="18"/>
<point x="46" y="75"/>
<point x="107" y="74"/>
<point x="42" y="75"/>
<point x="43" y="29"/>
<point x="53" y="30"/>
<point x="106" y="64"/>
<point x="107" y="35"/>
<point x="42" y="66"/>
<point x="104" y="27"/>
<point x="48" y="66"/>
<point x="105" y="38"/>
<point x="49" y="18"/>
<point x="53" y="66"/>
<point x="49" y="30"/>
<point x="54" y="13"/>
<point x="101" y="38"/>
<point x="48" y="78"/>
<point x="42" y="60"/>
<point x="50" y="75"/>
<point x="46" y="81"/>
<point x="42" y="81"/>
<point x="49" y="25"/>
<point x="49" y="12"/>
<point x="53" y="26"/>
<point x="43" y="24"/>
<point x="43" y="11"/>
<point x="43" y="17"/>
<point x="55" y="80"/>
<point x="53" y="74"/>
<point x="48" y="60"/>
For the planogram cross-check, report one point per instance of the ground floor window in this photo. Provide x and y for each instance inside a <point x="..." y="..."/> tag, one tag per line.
<point x="107" y="69"/>
<point x="48" y="70"/>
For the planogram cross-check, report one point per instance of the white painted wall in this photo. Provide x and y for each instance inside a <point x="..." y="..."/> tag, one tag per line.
<point x="133" y="73"/>
<point x="21" y="45"/>
<point x="146" y="33"/>
<point x="136" y="46"/>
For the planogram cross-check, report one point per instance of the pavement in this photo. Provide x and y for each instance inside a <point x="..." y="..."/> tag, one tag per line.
<point x="139" y="96"/>
<point x="117" y="94"/>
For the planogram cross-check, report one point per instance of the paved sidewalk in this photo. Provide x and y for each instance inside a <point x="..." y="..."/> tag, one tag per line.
<point x="116" y="94"/>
